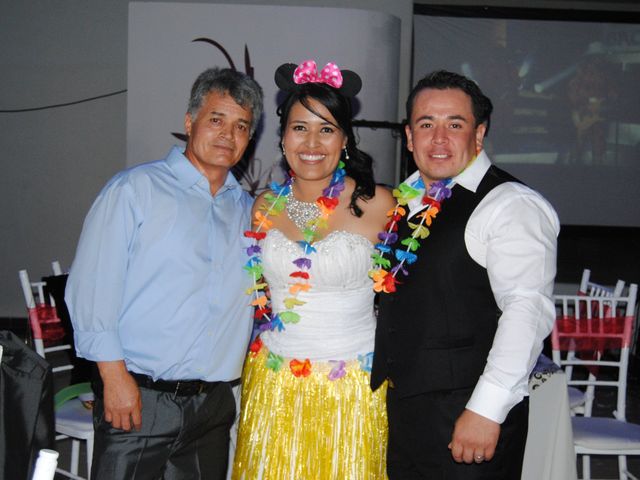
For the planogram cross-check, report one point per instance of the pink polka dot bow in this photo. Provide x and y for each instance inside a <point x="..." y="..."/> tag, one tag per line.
<point x="307" y="72"/>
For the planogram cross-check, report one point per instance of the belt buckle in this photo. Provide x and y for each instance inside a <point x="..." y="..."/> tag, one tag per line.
<point x="197" y="389"/>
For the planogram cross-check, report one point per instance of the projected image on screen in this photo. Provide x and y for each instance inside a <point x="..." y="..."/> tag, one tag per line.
<point x="566" y="99"/>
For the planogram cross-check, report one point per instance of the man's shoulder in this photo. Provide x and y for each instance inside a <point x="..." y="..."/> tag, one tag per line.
<point x="518" y="202"/>
<point x="146" y="169"/>
<point x="515" y="188"/>
<point x="246" y="200"/>
<point x="137" y="173"/>
<point x="504" y="184"/>
<point x="502" y="174"/>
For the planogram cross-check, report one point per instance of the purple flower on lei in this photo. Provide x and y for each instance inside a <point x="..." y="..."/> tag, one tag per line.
<point x="338" y="370"/>
<point x="302" y="263"/>
<point x="333" y="190"/>
<point x="388" y="237"/>
<point x="399" y="268"/>
<point x="440" y="190"/>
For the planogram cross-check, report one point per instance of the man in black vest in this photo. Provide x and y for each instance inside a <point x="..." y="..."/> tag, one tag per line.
<point x="457" y="336"/>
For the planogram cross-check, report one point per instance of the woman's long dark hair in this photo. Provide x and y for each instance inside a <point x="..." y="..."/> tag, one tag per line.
<point x="360" y="164"/>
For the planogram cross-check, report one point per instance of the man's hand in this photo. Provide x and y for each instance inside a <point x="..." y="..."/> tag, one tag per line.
<point x="122" y="403"/>
<point x="474" y="438"/>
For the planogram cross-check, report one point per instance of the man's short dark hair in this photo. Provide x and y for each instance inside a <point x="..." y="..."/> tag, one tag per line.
<point x="244" y="90"/>
<point x="444" y="80"/>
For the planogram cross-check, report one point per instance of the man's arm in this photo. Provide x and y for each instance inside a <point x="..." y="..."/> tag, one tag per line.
<point x="95" y="288"/>
<point x="94" y="294"/>
<point x="513" y="235"/>
<point x="122" y="404"/>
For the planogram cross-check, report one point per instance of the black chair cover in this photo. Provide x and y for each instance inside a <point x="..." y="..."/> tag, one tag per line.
<point x="55" y="285"/>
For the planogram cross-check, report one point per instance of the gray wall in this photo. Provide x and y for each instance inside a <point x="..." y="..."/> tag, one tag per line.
<point x="55" y="161"/>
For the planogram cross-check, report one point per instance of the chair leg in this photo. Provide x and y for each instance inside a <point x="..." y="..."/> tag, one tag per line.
<point x="75" y="456"/>
<point x="66" y="474"/>
<point x="89" y="456"/>
<point x="586" y="467"/>
<point x="622" y="467"/>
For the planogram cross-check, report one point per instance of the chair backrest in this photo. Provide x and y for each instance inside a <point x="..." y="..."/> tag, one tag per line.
<point x="587" y="287"/>
<point x="56" y="268"/>
<point x="46" y="327"/>
<point x="594" y="331"/>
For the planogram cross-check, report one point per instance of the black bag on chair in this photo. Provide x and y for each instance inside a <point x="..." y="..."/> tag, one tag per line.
<point x="26" y="407"/>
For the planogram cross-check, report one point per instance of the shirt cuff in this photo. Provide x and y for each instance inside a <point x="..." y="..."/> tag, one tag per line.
<point x="491" y="401"/>
<point x="99" y="346"/>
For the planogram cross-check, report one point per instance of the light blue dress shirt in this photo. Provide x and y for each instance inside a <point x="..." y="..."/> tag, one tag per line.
<point x="157" y="279"/>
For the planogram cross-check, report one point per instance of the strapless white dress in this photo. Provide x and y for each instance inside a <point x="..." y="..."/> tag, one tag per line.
<point x="337" y="321"/>
<point x="325" y="423"/>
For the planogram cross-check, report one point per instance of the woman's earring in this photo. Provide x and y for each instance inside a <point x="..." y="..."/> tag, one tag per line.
<point x="283" y="151"/>
<point x="346" y="154"/>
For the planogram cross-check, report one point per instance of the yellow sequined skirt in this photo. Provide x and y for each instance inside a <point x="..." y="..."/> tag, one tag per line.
<point x="309" y="428"/>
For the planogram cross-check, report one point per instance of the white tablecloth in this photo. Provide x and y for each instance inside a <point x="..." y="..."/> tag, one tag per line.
<point x="549" y="454"/>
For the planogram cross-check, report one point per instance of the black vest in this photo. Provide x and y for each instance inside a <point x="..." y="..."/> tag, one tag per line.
<point x="435" y="332"/>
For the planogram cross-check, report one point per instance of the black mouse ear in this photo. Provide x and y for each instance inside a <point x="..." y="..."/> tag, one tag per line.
<point x="351" y="83"/>
<point x="284" y="76"/>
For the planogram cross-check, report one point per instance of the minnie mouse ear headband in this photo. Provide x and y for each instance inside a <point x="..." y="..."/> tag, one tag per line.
<point x="289" y="76"/>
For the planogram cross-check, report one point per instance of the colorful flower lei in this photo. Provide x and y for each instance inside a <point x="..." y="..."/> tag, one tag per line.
<point x="276" y="200"/>
<point x="384" y="280"/>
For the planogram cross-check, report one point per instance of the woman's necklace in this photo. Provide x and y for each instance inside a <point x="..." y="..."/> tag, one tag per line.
<point x="277" y="200"/>
<point x="384" y="280"/>
<point x="301" y="213"/>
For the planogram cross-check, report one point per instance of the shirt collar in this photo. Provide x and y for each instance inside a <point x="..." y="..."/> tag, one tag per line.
<point x="469" y="178"/>
<point x="188" y="176"/>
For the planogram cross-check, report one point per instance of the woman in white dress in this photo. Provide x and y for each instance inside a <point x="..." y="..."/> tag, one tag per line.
<point x="307" y="409"/>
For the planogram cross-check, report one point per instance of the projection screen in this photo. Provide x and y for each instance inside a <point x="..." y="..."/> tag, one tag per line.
<point x="566" y="100"/>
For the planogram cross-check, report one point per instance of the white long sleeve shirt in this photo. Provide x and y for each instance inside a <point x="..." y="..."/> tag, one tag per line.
<point x="512" y="233"/>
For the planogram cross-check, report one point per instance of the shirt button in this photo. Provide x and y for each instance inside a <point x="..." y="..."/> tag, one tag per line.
<point x="389" y="361"/>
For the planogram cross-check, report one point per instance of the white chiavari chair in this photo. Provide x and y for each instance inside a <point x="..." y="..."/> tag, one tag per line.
<point x="73" y="420"/>
<point x="594" y="333"/>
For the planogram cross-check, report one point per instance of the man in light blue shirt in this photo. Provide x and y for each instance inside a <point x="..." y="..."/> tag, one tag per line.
<point x="156" y="295"/>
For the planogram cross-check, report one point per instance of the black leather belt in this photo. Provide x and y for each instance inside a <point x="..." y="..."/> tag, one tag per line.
<point x="177" y="387"/>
